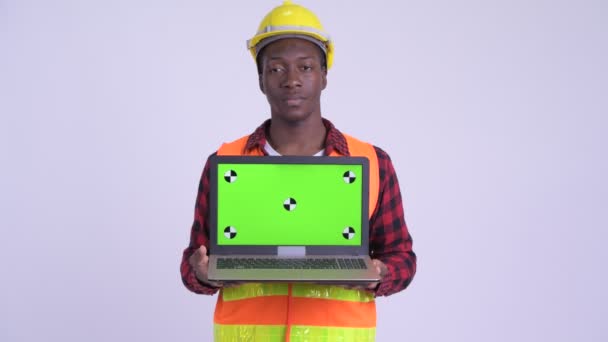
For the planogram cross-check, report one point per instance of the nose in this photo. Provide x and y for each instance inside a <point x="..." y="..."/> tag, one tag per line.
<point x="292" y="78"/>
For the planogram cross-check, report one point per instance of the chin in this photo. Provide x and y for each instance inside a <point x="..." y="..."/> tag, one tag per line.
<point x="293" y="115"/>
<point x="297" y="118"/>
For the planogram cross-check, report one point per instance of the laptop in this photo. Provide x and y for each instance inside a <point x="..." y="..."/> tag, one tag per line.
<point x="289" y="218"/>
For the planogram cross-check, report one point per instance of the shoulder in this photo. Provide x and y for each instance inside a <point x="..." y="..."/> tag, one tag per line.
<point x="207" y="162"/>
<point x="240" y="146"/>
<point x="382" y="155"/>
<point x="385" y="164"/>
<point x="244" y="138"/>
<point x="242" y="141"/>
<point x="256" y="139"/>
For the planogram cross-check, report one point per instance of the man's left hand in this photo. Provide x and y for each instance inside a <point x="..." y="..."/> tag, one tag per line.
<point x="382" y="271"/>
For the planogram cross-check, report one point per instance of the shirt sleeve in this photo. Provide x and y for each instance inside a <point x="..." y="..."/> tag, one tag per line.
<point x="199" y="235"/>
<point x="390" y="241"/>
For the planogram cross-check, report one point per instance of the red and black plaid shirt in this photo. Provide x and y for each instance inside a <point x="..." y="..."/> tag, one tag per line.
<point x="390" y="241"/>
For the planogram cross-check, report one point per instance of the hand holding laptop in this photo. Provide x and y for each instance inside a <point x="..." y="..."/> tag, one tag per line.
<point x="200" y="264"/>
<point x="382" y="271"/>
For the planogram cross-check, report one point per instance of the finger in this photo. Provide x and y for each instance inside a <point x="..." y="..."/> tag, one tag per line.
<point x="215" y="283"/>
<point x="372" y="286"/>
<point x="377" y="266"/>
<point x="380" y="267"/>
<point x="203" y="250"/>
<point x="383" y="270"/>
<point x="200" y="256"/>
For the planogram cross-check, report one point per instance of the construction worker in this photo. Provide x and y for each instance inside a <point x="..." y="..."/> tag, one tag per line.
<point x="293" y="55"/>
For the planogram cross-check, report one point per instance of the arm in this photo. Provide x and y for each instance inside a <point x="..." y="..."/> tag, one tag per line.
<point x="390" y="241"/>
<point x="199" y="236"/>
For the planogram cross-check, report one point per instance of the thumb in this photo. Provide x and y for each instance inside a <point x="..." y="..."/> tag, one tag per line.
<point x="380" y="267"/>
<point x="377" y="265"/>
<point x="203" y="253"/>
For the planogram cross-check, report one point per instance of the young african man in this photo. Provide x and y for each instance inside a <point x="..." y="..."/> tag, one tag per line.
<point x="293" y="56"/>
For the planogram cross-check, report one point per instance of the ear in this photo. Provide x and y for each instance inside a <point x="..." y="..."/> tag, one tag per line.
<point x="324" y="79"/>
<point x="261" y="84"/>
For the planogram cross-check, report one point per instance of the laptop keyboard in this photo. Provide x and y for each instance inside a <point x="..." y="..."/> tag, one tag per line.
<point x="291" y="263"/>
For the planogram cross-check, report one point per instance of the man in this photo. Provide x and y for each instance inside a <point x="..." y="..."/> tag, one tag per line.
<point x="293" y="55"/>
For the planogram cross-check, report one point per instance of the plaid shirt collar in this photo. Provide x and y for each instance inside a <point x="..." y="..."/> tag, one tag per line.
<point x="334" y="140"/>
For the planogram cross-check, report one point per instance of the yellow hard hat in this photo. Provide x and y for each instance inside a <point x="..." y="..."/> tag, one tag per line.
<point x="291" y="20"/>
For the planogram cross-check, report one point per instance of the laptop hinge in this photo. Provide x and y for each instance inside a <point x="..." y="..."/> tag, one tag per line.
<point x="291" y="251"/>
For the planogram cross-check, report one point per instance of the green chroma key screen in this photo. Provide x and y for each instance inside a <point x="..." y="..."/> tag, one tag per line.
<point x="289" y="204"/>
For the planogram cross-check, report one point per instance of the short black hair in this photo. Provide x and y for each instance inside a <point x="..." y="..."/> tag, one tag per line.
<point x="258" y="59"/>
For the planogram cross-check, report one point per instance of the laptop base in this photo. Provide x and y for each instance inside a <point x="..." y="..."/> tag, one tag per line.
<point x="367" y="274"/>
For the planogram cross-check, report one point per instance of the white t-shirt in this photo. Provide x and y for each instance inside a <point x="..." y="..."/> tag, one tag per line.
<point x="272" y="152"/>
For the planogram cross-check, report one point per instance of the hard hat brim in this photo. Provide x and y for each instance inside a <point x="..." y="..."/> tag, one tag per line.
<point x="260" y="41"/>
<point x="268" y="40"/>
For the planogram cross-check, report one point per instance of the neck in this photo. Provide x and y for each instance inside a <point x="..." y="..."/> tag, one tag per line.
<point x="302" y="138"/>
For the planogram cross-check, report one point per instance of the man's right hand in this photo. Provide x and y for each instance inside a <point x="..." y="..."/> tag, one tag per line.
<point x="200" y="264"/>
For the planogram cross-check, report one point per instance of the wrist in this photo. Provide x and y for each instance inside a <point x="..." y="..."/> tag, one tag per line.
<point x="207" y="283"/>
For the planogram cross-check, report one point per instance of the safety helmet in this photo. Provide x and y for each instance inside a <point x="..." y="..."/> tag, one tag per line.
<point x="291" y="21"/>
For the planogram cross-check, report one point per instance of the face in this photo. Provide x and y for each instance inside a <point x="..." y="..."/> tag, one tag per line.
<point x="292" y="79"/>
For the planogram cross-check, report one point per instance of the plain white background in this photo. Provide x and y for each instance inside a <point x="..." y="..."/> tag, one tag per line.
<point x="494" y="113"/>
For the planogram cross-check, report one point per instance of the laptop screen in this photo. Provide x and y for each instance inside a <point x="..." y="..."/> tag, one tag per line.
<point x="299" y="201"/>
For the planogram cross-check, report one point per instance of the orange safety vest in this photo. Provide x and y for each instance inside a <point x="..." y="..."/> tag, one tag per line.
<point x="296" y="312"/>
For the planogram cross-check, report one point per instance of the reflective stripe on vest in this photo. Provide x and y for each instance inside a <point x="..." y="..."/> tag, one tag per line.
<point x="276" y="333"/>
<point x="251" y="290"/>
<point x="259" y="311"/>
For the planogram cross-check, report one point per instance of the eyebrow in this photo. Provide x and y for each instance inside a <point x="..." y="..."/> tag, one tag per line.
<point x="277" y="57"/>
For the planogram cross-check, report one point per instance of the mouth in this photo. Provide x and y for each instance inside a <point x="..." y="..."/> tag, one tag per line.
<point x="293" y="101"/>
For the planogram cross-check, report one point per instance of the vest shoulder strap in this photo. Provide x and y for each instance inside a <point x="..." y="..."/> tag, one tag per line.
<point x="236" y="148"/>
<point x="358" y="148"/>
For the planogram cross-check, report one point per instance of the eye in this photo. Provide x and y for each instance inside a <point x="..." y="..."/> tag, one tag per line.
<point x="307" y="68"/>
<point x="276" y="69"/>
